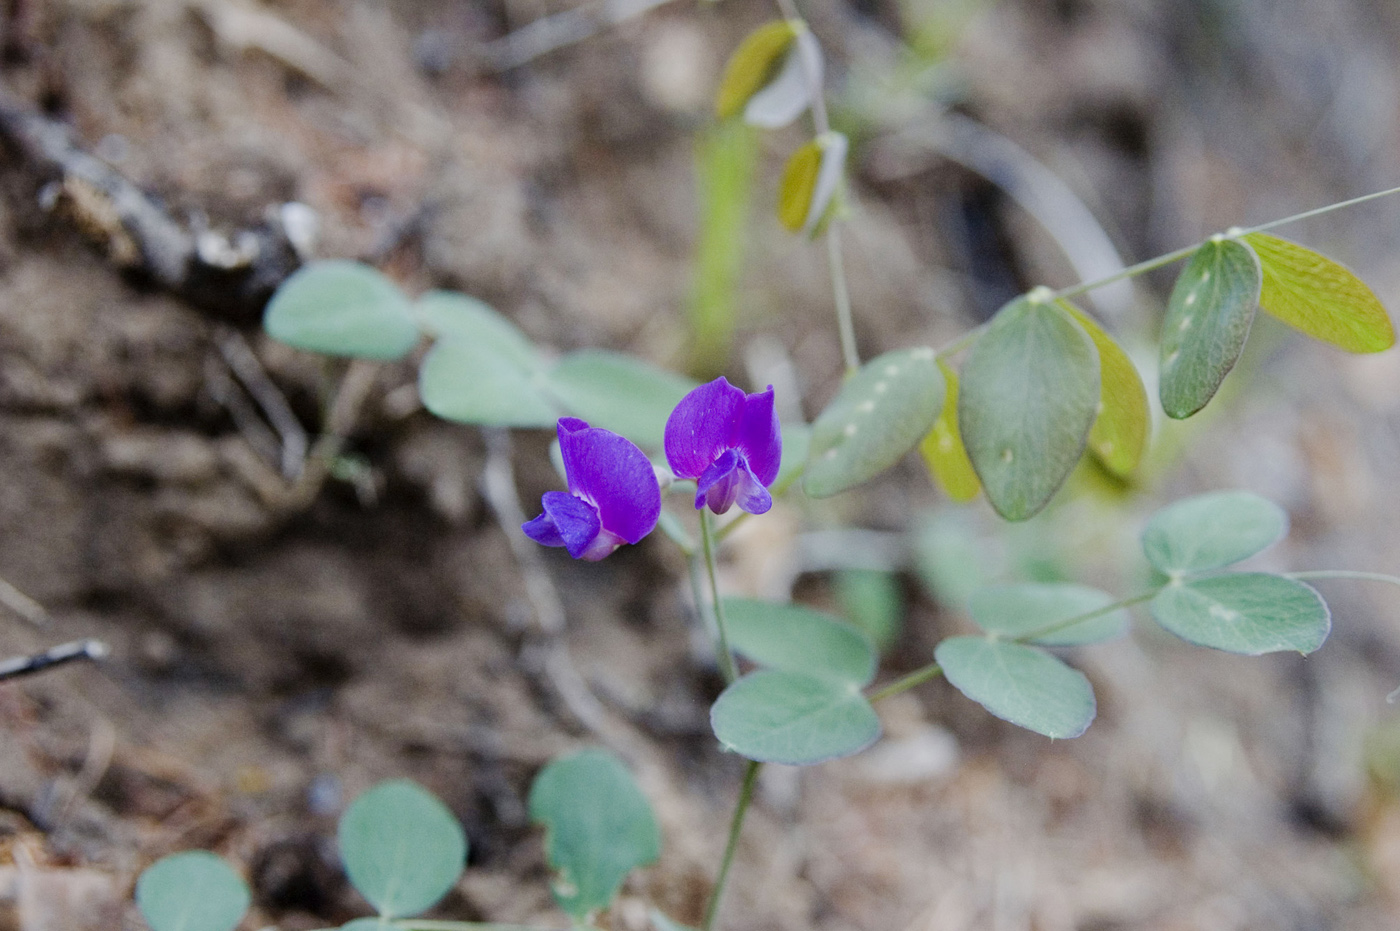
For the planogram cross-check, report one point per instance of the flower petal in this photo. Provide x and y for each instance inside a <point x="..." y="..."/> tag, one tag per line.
<point x="716" y="486"/>
<point x="617" y="477"/>
<point x="567" y="521"/>
<point x="569" y="430"/>
<point x="750" y="493"/>
<point x="757" y="437"/>
<point x="699" y="429"/>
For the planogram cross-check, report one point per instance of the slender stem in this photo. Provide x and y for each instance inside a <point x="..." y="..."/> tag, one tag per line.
<point x="835" y="259"/>
<point x="1129" y="272"/>
<point x="1055" y="628"/>
<point x="722" y="651"/>
<point x="736" y="824"/>
<point x="1345" y="574"/>
<point x="1318" y="211"/>
<point x="962" y="342"/>
<point x="905" y="683"/>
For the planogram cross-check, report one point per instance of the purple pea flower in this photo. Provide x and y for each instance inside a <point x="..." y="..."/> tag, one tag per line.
<point x="613" y="496"/>
<point x="729" y="443"/>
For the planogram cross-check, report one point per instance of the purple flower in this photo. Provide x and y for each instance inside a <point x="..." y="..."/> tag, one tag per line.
<point x="729" y="443"/>
<point x="613" y="497"/>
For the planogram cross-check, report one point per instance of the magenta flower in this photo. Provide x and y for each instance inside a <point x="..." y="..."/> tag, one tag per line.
<point x="613" y="496"/>
<point x="729" y="443"/>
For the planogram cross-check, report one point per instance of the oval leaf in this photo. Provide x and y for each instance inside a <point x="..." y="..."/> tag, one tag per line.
<point x="471" y="381"/>
<point x="450" y="315"/>
<point x="1023" y="685"/>
<point x="192" y="891"/>
<point x="798" y="639"/>
<point x="879" y="415"/>
<point x="598" y="828"/>
<point x="776" y="716"/>
<point x="618" y="393"/>
<point x="1321" y="297"/>
<point x="1207" y="322"/>
<point x="1030" y="390"/>
<point x="1245" y="612"/>
<point x="1212" y="531"/>
<point x="943" y="449"/>
<point x="403" y="849"/>
<point x="752" y="65"/>
<point x="1119" y="434"/>
<point x="789" y="94"/>
<point x="342" y="308"/>
<point x="798" y="184"/>
<point x="1019" y="611"/>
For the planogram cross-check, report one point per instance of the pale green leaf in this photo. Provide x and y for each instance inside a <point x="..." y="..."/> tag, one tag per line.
<point x="776" y="716"/>
<point x="943" y="449"/>
<point x="471" y="381"/>
<point x="879" y="415"/>
<point x="191" y="891"/>
<point x="1018" y="611"/>
<point x="342" y="308"/>
<point x="1030" y="390"/>
<point x="1245" y="612"/>
<point x="1207" y="322"/>
<point x="798" y="639"/>
<point x="874" y="602"/>
<point x="1321" y="297"/>
<point x="403" y="849"/>
<point x="753" y="65"/>
<point x="798" y="183"/>
<point x="1119" y="434"/>
<point x="1212" y="531"/>
<point x="598" y="828"/>
<point x="618" y="393"/>
<point x="1021" y="684"/>
<point x="450" y="315"/>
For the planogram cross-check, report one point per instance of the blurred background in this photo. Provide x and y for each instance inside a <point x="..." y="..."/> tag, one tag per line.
<point x="280" y="644"/>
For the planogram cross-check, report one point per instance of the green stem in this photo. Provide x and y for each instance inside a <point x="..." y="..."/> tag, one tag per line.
<point x="1318" y="211"/>
<point x="962" y="342"/>
<point x="707" y="549"/>
<point x="844" y="322"/>
<point x="905" y="683"/>
<point x="736" y="824"/>
<point x="1345" y="574"/>
<point x="1055" y="628"/>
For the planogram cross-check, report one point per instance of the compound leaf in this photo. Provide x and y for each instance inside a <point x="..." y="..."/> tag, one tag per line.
<point x="1023" y="685"/>
<point x="403" y="849"/>
<point x="472" y="381"/>
<point x="1017" y="610"/>
<point x="342" y="308"/>
<point x="1212" y="531"/>
<point x="798" y="639"/>
<point x="1119" y="434"/>
<point x="1030" y="390"/>
<point x="1208" y="319"/>
<point x="943" y="449"/>
<point x="192" y="891"/>
<point x="452" y="315"/>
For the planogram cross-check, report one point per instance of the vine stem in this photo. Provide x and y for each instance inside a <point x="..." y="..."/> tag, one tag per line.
<point x="736" y="825"/>
<point x="1179" y="254"/>
<point x="1058" y="626"/>
<point x="905" y="683"/>
<point x="707" y="549"/>
<point x="1345" y="574"/>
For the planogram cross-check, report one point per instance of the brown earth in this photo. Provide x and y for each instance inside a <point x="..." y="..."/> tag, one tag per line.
<point x="274" y="654"/>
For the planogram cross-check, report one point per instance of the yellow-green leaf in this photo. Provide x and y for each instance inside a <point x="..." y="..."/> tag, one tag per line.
<point x="1321" y="297"/>
<point x="943" y="450"/>
<point x="798" y="185"/>
<point x="1119" y="434"/>
<point x="752" y="66"/>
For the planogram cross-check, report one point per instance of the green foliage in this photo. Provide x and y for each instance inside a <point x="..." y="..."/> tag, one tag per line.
<point x="1208" y="319"/>
<point x="797" y="639"/>
<point x="452" y="315"/>
<point x="778" y="716"/>
<point x="1246" y="612"/>
<point x="726" y="156"/>
<point x="618" y="393"/>
<point x="872" y="599"/>
<point x="598" y="828"/>
<point x="1021" y="684"/>
<point x="1030" y="391"/>
<point x="753" y="65"/>
<point x="1212" y="531"/>
<point x="191" y="891"/>
<point x="472" y="381"/>
<point x="403" y="850"/>
<point x="798" y="184"/>
<point x="342" y="308"/>
<point x="1020" y="611"/>
<point x="879" y="415"/>
<point x="943" y="449"/>
<point x="1119" y="435"/>
<point x="1319" y="296"/>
